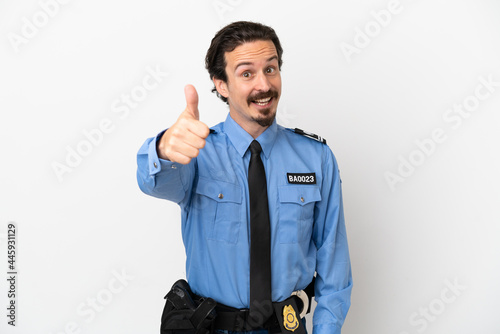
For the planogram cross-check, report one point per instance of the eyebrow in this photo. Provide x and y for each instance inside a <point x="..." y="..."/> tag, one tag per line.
<point x="250" y="63"/>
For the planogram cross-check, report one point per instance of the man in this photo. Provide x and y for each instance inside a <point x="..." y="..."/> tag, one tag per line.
<point x="261" y="204"/>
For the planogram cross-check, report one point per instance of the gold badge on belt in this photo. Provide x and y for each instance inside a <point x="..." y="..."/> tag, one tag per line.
<point x="290" y="321"/>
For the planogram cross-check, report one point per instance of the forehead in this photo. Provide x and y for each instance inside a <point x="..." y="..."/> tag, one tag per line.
<point x="251" y="52"/>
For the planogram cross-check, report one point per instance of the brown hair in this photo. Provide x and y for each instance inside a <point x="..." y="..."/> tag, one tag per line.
<point x="232" y="36"/>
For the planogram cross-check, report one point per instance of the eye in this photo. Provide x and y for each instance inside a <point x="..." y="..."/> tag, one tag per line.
<point x="270" y="70"/>
<point x="246" y="74"/>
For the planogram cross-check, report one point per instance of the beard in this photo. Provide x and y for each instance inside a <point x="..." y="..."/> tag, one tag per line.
<point x="267" y="116"/>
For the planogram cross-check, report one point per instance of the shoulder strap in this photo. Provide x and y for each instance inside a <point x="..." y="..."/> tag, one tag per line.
<point x="309" y="135"/>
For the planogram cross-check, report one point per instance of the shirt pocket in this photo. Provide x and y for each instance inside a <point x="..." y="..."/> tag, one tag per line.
<point x="296" y="212"/>
<point x="222" y="209"/>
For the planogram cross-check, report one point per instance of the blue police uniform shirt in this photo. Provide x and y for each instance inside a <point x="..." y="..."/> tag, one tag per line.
<point x="305" y="207"/>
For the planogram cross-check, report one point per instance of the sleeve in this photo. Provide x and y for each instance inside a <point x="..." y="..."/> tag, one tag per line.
<point x="162" y="178"/>
<point x="333" y="267"/>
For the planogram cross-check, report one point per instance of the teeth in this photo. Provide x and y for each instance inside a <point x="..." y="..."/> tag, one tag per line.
<point x="263" y="101"/>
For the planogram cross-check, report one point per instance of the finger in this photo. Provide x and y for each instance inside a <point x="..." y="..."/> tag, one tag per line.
<point x="191" y="139"/>
<point x="192" y="101"/>
<point x="198" y="128"/>
<point x="184" y="149"/>
<point x="179" y="158"/>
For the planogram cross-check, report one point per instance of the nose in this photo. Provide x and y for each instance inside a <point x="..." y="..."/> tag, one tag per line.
<point x="262" y="83"/>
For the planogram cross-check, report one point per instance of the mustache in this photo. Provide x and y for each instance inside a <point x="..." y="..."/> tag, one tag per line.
<point x="262" y="95"/>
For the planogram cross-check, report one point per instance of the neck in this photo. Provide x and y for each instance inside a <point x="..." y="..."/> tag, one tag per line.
<point x="255" y="131"/>
<point x="252" y="127"/>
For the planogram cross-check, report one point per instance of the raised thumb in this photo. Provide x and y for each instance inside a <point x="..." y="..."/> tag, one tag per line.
<point x="192" y="101"/>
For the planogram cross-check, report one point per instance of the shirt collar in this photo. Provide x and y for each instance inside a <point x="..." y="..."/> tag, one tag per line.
<point x="242" y="139"/>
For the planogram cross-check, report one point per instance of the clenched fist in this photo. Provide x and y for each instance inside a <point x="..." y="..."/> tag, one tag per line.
<point x="184" y="140"/>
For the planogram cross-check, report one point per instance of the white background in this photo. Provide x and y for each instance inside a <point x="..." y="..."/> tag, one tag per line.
<point x="438" y="227"/>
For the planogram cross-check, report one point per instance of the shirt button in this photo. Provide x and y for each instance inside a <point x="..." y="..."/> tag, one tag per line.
<point x="154" y="164"/>
<point x="302" y="199"/>
<point x="174" y="167"/>
<point x="220" y="196"/>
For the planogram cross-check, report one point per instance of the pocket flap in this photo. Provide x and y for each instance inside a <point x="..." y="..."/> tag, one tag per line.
<point x="219" y="191"/>
<point x="299" y="194"/>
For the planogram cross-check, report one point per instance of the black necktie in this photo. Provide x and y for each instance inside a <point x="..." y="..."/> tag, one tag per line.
<point x="260" y="239"/>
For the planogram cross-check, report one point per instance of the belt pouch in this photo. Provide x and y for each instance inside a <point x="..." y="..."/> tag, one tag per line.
<point x="288" y="316"/>
<point x="185" y="313"/>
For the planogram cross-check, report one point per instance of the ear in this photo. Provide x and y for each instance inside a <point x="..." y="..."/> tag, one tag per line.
<point x="221" y="87"/>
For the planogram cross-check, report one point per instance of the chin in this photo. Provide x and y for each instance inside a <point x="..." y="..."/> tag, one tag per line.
<point x="266" y="119"/>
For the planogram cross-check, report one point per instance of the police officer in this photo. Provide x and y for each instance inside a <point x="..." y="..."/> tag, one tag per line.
<point x="206" y="172"/>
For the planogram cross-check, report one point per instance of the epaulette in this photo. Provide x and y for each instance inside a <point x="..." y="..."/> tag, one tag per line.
<point x="309" y="135"/>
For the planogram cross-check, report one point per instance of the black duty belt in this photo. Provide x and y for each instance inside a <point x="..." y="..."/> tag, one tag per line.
<point x="286" y="315"/>
<point x="187" y="312"/>
<point x="232" y="319"/>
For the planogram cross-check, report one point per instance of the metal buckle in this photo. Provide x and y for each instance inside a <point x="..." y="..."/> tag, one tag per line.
<point x="305" y="301"/>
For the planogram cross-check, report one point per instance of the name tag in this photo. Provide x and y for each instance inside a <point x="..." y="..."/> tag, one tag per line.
<point x="301" y="178"/>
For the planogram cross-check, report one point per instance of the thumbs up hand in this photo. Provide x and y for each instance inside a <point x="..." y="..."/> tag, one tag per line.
<point x="184" y="140"/>
<point x="192" y="102"/>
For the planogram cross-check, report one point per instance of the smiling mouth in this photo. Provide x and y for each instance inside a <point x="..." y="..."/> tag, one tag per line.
<point x="263" y="102"/>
